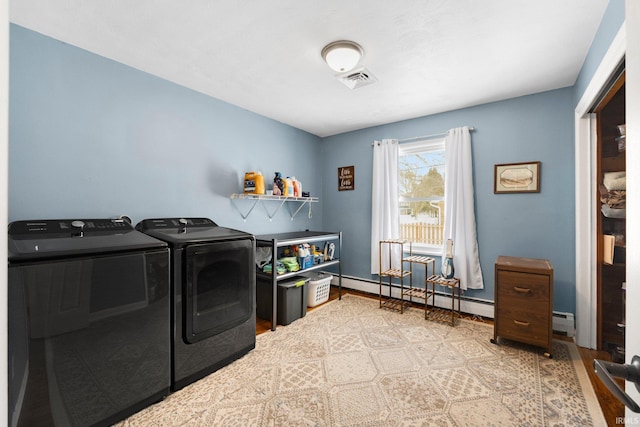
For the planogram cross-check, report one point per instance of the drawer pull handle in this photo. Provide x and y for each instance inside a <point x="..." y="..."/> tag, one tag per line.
<point x="522" y="290"/>
<point x="519" y="323"/>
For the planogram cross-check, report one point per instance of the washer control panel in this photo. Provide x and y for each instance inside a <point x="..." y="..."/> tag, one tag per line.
<point x="58" y="226"/>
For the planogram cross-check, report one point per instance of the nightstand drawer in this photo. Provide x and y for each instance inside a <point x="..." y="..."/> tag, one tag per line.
<point x="528" y="327"/>
<point x="522" y="285"/>
<point x="510" y="304"/>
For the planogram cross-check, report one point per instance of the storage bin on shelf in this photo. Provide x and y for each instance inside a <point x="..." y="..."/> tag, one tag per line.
<point x="292" y="298"/>
<point x="319" y="289"/>
<point x="305" y="261"/>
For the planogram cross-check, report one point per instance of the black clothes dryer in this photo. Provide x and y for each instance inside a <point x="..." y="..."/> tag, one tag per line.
<point x="89" y="322"/>
<point x="213" y="294"/>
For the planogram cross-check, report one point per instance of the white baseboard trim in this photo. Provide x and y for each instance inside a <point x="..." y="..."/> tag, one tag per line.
<point x="563" y="323"/>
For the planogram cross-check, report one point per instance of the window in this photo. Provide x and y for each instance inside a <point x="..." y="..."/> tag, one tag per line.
<point x="421" y="171"/>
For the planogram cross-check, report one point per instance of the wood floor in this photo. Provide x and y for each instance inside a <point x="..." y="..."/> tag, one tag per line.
<point x="612" y="408"/>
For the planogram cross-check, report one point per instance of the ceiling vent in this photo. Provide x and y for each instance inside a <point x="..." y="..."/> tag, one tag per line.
<point x="357" y="78"/>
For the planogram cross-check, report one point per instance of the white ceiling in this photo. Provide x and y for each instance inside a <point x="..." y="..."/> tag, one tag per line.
<point x="429" y="56"/>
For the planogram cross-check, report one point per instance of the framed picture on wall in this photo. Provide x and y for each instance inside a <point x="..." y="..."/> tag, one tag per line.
<point x="517" y="178"/>
<point x="346" y="178"/>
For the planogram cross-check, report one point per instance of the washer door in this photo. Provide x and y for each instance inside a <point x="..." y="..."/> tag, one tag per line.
<point x="219" y="289"/>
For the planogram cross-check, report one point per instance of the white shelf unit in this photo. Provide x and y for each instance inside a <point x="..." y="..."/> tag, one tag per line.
<point x="278" y="201"/>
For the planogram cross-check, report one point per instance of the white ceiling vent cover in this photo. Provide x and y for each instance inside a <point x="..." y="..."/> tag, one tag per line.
<point x="357" y="78"/>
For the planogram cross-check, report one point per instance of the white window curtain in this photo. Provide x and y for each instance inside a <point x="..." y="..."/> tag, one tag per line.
<point x="385" y="221"/>
<point x="459" y="211"/>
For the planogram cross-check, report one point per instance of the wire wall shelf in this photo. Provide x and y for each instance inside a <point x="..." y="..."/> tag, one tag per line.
<point x="296" y="203"/>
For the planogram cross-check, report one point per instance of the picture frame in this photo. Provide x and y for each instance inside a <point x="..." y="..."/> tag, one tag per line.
<point x="521" y="177"/>
<point x="346" y="178"/>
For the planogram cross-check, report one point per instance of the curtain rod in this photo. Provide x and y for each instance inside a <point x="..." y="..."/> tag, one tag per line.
<point x="471" y="129"/>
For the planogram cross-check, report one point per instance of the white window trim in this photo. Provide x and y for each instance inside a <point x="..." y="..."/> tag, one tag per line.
<point x="433" y="250"/>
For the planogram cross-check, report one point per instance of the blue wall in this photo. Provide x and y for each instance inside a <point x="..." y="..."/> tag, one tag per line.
<point x="539" y="225"/>
<point x="90" y="137"/>
<point x="609" y="26"/>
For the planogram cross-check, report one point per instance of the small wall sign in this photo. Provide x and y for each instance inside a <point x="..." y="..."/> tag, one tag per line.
<point x="346" y="178"/>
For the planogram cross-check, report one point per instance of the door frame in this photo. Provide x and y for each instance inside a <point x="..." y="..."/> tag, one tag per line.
<point x="585" y="194"/>
<point x="632" y="62"/>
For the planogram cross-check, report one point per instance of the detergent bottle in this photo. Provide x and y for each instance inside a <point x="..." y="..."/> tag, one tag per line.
<point x="288" y="187"/>
<point x="249" y="182"/>
<point x="259" y="183"/>
<point x="296" y="187"/>
<point x="278" y="185"/>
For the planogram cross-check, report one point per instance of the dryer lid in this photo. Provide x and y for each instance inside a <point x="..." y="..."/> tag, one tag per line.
<point x="182" y="231"/>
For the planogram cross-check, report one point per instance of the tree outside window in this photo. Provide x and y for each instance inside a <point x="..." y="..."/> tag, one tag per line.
<point x="421" y="172"/>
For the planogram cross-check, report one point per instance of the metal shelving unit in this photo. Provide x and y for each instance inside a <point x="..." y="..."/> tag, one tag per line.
<point x="275" y="241"/>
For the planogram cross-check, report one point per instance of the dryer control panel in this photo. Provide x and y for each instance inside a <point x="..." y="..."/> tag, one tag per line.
<point x="162" y="223"/>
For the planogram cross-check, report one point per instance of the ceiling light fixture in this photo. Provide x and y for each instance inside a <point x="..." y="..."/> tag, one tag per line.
<point x="342" y="55"/>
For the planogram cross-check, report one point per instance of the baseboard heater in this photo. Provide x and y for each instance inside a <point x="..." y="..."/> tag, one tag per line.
<point x="563" y="323"/>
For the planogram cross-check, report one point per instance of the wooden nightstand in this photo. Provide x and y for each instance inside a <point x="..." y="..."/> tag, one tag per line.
<point x="524" y="301"/>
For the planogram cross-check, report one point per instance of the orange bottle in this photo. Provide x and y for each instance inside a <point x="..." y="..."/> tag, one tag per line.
<point x="296" y="187"/>
<point x="259" y="181"/>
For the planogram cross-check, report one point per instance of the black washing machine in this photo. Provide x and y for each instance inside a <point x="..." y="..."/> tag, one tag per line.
<point x="89" y="322"/>
<point x="213" y="290"/>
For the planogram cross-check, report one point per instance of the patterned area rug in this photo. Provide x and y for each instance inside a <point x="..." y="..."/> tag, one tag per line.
<point x="349" y="363"/>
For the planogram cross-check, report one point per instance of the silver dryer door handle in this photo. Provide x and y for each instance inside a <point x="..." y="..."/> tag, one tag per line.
<point x="607" y="370"/>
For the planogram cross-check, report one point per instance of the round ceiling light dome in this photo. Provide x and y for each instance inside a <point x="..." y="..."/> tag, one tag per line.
<point x="342" y="55"/>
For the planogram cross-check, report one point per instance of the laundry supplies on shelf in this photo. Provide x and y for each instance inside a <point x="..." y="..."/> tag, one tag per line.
<point x="253" y="183"/>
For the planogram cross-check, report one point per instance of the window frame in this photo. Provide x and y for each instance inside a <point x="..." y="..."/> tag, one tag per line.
<point x="422" y="146"/>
